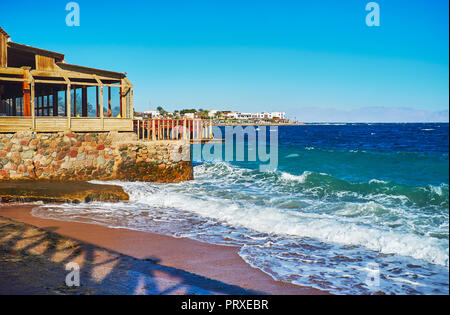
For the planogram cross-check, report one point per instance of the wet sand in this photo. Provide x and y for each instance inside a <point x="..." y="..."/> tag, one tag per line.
<point x="139" y="262"/>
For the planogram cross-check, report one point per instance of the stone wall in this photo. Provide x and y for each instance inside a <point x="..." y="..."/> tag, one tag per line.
<point x="92" y="156"/>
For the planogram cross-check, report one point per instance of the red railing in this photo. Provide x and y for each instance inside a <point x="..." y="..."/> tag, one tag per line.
<point x="173" y="129"/>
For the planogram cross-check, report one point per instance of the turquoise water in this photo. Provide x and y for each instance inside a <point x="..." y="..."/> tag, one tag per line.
<point x="352" y="209"/>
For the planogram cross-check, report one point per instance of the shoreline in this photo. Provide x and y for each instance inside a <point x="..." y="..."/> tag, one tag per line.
<point x="255" y="124"/>
<point x="221" y="269"/>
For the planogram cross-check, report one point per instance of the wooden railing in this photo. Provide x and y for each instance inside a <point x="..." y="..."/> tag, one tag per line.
<point x="56" y="124"/>
<point x="173" y="129"/>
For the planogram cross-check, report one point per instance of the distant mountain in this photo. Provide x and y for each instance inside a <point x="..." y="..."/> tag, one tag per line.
<point x="368" y="114"/>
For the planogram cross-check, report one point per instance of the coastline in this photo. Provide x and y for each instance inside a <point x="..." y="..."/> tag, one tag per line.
<point x="255" y="124"/>
<point x="206" y="268"/>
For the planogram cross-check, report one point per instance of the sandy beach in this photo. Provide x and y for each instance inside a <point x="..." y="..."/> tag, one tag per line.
<point x="118" y="261"/>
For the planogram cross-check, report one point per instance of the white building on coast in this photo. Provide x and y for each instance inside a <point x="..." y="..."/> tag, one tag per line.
<point x="255" y="116"/>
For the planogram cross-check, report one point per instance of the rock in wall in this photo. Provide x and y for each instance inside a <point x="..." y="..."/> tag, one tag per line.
<point x="92" y="156"/>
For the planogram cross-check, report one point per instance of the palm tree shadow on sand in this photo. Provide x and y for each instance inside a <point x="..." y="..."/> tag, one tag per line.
<point x="33" y="261"/>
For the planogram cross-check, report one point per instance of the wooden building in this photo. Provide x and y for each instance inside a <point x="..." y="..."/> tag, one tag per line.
<point x="40" y="92"/>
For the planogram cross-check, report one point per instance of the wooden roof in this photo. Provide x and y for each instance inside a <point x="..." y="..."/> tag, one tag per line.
<point x="24" y="55"/>
<point x="3" y="32"/>
<point x="76" y="68"/>
<point x="37" y="51"/>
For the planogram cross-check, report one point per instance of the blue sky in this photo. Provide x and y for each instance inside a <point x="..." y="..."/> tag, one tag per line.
<point x="306" y="57"/>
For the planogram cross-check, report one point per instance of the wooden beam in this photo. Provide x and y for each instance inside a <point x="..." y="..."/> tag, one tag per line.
<point x="50" y="82"/>
<point x="122" y="92"/>
<point x="16" y="71"/>
<point x="130" y="108"/>
<point x="59" y="73"/>
<point x="74" y="102"/>
<point x="153" y="130"/>
<point x="97" y="95"/>
<point x="68" y="106"/>
<point x="44" y="63"/>
<point x="3" y="51"/>
<point x="33" y="114"/>
<point x="109" y="102"/>
<point x="13" y="79"/>
<point x="26" y="90"/>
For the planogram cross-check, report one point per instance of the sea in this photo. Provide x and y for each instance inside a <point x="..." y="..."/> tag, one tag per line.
<point x="349" y="208"/>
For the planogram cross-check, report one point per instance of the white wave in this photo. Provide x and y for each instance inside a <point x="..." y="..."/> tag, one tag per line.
<point x="377" y="181"/>
<point x="438" y="189"/>
<point x="319" y="226"/>
<point x="298" y="178"/>
<point x="269" y="235"/>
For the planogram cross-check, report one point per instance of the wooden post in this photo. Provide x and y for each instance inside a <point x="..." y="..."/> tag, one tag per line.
<point x="65" y="103"/>
<point x="128" y="105"/>
<point x="173" y="129"/>
<point x="69" y="107"/>
<point x="138" y="129"/>
<point x="26" y="99"/>
<point x="176" y="134"/>
<point x="4" y="50"/>
<point x="210" y="131"/>
<point x="121" y="100"/>
<point x="157" y="128"/>
<point x="33" y="116"/>
<point x="109" y="102"/>
<point x="97" y="103"/>
<point x="26" y="89"/>
<point x="164" y="129"/>
<point x="194" y="129"/>
<point x="124" y="89"/>
<point x="202" y="130"/>
<point x="102" y="114"/>
<point x="153" y="130"/>
<point x="74" y="102"/>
